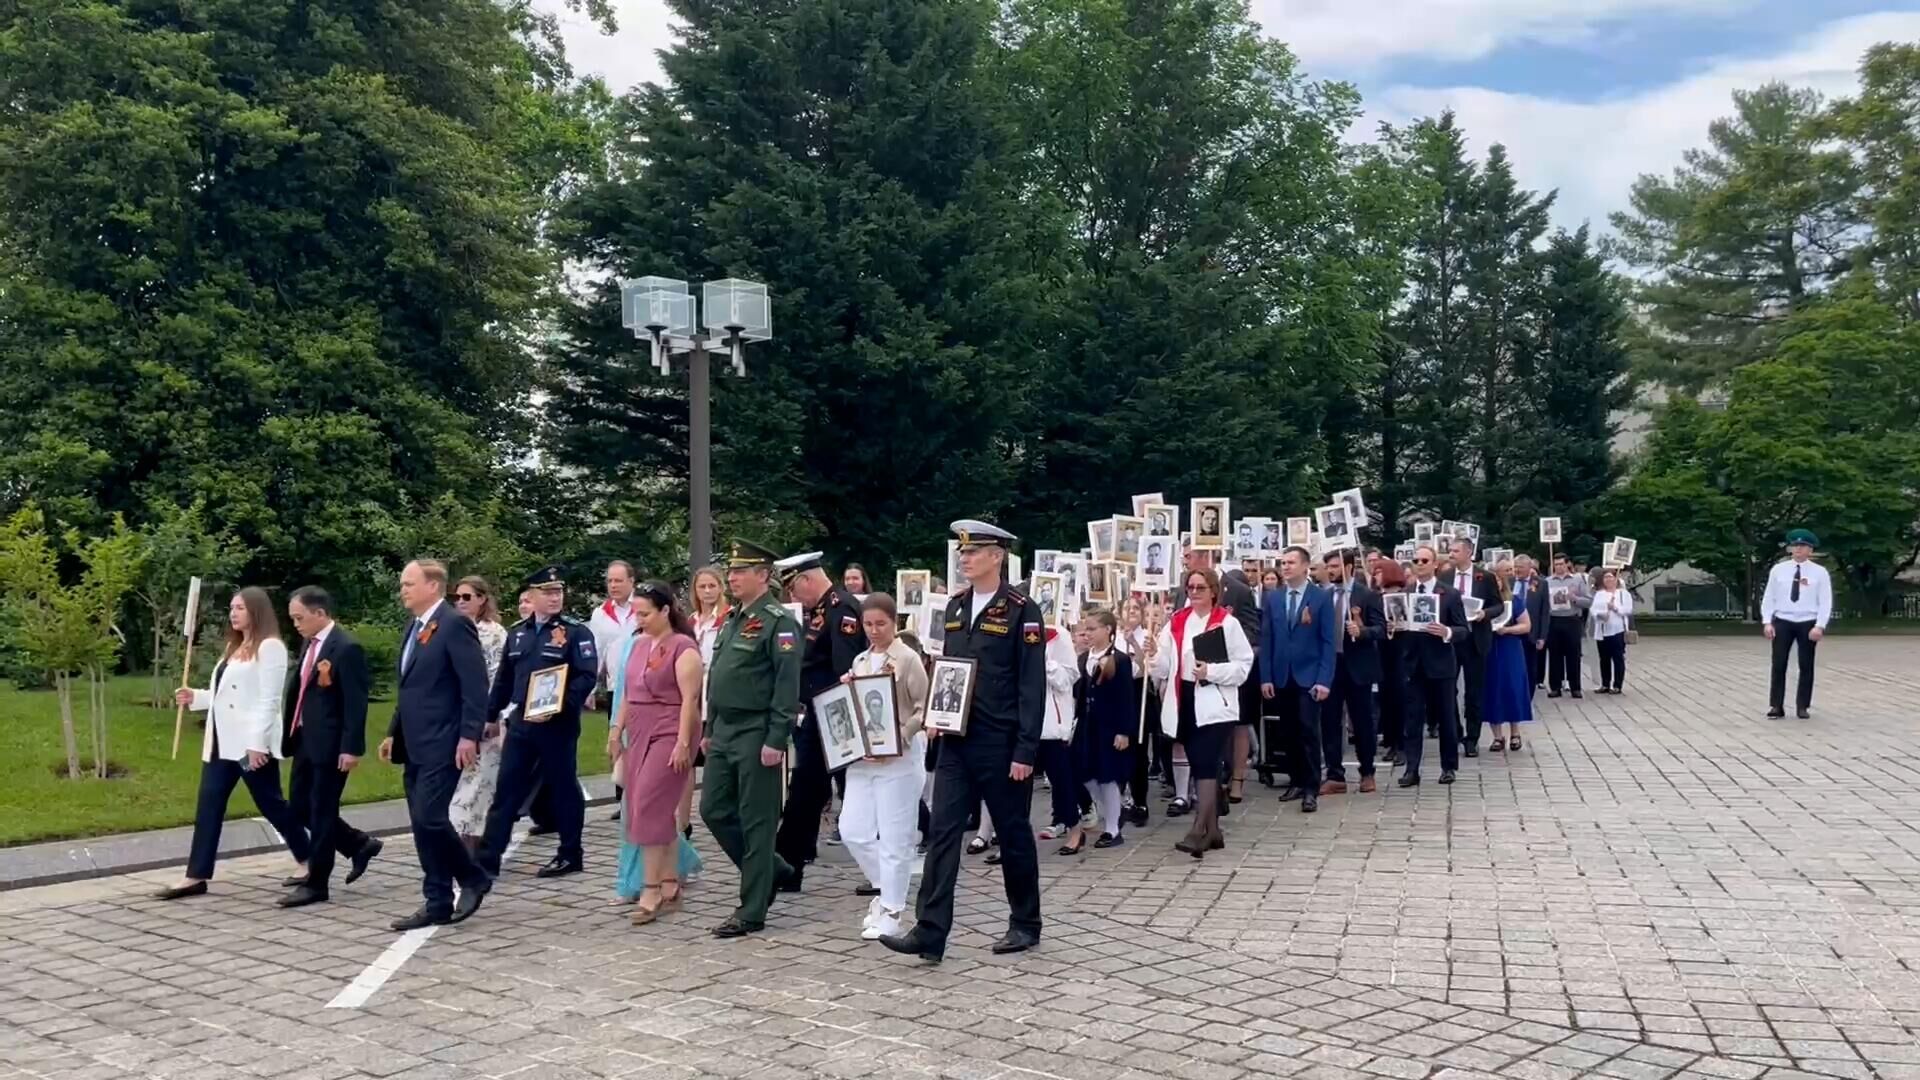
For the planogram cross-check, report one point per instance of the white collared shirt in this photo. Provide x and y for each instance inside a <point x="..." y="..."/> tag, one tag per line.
<point x="1816" y="594"/>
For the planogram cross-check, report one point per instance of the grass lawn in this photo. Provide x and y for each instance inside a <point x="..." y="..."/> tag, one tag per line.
<point x="37" y="802"/>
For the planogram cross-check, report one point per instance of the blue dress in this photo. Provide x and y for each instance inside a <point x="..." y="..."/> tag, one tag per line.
<point x="1508" y="698"/>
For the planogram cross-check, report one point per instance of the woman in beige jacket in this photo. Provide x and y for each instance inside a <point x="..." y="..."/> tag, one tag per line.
<point x="880" y="812"/>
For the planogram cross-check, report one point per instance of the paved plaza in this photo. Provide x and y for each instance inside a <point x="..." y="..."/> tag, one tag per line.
<point x="1659" y="884"/>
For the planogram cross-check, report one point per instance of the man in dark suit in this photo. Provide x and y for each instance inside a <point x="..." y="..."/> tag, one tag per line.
<point x="325" y="730"/>
<point x="831" y="637"/>
<point x="1531" y="590"/>
<point x="435" y="734"/>
<point x="542" y="749"/>
<point x="1362" y="619"/>
<point x="1432" y="663"/>
<point x="1297" y="640"/>
<point x="1237" y="594"/>
<point x="1474" y="647"/>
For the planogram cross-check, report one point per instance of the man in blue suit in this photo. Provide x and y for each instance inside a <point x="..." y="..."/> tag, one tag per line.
<point x="1297" y="635"/>
<point x="435" y="734"/>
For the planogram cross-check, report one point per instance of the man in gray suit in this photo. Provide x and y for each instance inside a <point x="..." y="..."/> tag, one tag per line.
<point x="435" y="734"/>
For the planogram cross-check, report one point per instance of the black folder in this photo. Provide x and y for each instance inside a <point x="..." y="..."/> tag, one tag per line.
<point x="1211" y="647"/>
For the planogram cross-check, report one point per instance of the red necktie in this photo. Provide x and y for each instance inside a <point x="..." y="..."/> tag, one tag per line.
<point x="306" y="672"/>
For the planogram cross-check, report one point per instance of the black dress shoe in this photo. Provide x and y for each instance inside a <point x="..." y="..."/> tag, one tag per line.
<point x="734" y="928"/>
<point x="560" y="867"/>
<point x="543" y="830"/>
<point x="865" y="890"/>
<point x="1309" y="803"/>
<point x="1775" y="714"/>
<point x="302" y="896"/>
<point x="1575" y="693"/>
<point x="993" y="859"/>
<point x="1472" y="750"/>
<point x="1446" y="777"/>
<point x="177" y="892"/>
<point x="469" y="902"/>
<point x="1801" y="713"/>
<point x="294" y="882"/>
<point x="787" y="879"/>
<point x="977" y="845"/>
<point x="421" y="919"/>
<point x="1553" y="693"/>
<point x="367" y="853"/>
<point x="1108" y="840"/>
<point x="1409" y="780"/>
<point x="1016" y="941"/>
<point x="1139" y="816"/>
<point x="913" y="943"/>
<point x="1290" y="794"/>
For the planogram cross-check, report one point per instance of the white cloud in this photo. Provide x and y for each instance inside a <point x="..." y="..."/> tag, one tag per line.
<point x="624" y="59"/>
<point x="1340" y="36"/>
<point x="1593" y="151"/>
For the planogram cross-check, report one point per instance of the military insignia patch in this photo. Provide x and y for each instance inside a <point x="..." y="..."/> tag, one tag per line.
<point x="849" y="625"/>
<point x="785" y="638"/>
<point x="1030" y="632"/>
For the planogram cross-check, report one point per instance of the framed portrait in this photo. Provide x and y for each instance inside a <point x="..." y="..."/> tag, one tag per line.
<point x="1126" y="537"/>
<point x="1501" y="616"/>
<point x="1086" y="554"/>
<point x="1142" y="502"/>
<point x="1442" y="544"/>
<point x="1015" y="572"/>
<point x="834" y="710"/>
<point x="1210" y="517"/>
<point x="1423" y="532"/>
<point x="1561" y="598"/>
<point x="546" y="693"/>
<point x="1246" y="537"/>
<point x="1336" y="529"/>
<point x="1403" y="551"/>
<point x="1423" y="609"/>
<point x="1299" y="531"/>
<point x="1162" y="519"/>
<point x="1618" y="553"/>
<point x="910" y="588"/>
<point x="1044" y="560"/>
<point x="879" y="715"/>
<point x="954" y="577"/>
<point x="1156" y="567"/>
<point x="1356" y="505"/>
<point x="1469" y="532"/>
<point x="1473" y="606"/>
<point x="1549" y="530"/>
<point x="1119" y="580"/>
<point x="1272" y="538"/>
<point x="1049" y="592"/>
<point x="933" y="623"/>
<point x="950" y="696"/>
<point x="1099" y="583"/>
<point x="1100" y="539"/>
<point x="1395" y="604"/>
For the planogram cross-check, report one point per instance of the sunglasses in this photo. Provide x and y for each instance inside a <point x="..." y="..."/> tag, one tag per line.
<point x="466" y="597"/>
<point x="1421" y="562"/>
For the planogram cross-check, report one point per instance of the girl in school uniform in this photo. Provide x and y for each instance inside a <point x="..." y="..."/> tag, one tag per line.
<point x="1105" y="731"/>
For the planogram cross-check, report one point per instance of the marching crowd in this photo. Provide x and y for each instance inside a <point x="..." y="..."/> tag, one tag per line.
<point x="1224" y="676"/>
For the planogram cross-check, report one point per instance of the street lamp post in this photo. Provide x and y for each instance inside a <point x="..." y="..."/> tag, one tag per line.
<point x="732" y="313"/>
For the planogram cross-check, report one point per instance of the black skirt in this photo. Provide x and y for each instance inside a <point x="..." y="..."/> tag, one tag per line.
<point x="1204" y="743"/>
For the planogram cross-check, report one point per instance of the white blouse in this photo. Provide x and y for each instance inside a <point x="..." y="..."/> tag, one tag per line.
<point x="1608" y="623"/>
<point x="244" y="709"/>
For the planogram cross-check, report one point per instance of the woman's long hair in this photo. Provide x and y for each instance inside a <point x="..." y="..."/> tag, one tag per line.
<point x="261" y="625"/>
<point x="660" y="595"/>
<point x="1107" y="665"/>
<point x="486" y="610"/>
<point x="693" y="592"/>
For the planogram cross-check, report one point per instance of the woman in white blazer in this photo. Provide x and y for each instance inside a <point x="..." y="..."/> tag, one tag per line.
<point x="1200" y="702"/>
<point x="243" y="737"/>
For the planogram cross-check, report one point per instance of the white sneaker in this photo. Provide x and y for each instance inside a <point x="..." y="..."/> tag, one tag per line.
<point x="885" y="922"/>
<point x="873" y="912"/>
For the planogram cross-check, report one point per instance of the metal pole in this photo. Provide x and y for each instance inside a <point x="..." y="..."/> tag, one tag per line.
<point x="699" y="459"/>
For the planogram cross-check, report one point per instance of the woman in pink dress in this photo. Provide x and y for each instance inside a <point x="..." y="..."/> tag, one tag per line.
<point x="656" y="695"/>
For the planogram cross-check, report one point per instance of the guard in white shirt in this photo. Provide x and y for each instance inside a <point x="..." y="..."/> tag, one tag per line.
<point x="1794" y="612"/>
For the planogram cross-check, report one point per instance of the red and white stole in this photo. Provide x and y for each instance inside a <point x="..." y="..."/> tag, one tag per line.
<point x="1178" y="627"/>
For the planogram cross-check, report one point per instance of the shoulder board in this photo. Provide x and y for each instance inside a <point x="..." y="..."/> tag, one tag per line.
<point x="1016" y="596"/>
<point x="570" y="620"/>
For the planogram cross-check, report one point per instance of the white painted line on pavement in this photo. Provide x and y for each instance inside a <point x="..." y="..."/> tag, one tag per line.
<point x="376" y="974"/>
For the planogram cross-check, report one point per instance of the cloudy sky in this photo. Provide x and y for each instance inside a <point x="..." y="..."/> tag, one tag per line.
<point x="1586" y="94"/>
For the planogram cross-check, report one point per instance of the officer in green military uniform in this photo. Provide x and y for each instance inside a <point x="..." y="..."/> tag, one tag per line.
<point x="753" y="695"/>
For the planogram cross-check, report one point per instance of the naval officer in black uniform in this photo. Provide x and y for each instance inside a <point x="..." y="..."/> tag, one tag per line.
<point x="1001" y="631"/>
<point x="830" y="618"/>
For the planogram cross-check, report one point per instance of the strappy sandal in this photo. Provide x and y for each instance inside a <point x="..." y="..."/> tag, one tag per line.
<point x="1497" y="746"/>
<point x="1514" y="744"/>
<point x="643" y="915"/>
<point x="670" y="904"/>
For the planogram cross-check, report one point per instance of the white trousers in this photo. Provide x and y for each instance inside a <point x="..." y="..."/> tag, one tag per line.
<point x="878" y="819"/>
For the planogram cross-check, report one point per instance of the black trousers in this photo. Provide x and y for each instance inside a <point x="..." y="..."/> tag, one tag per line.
<point x="972" y="769"/>
<point x="217" y="780"/>
<point x="1056" y="764"/>
<point x="1536" y="662"/>
<point x="1473" y="676"/>
<point x="444" y="858"/>
<point x="1563" y="651"/>
<point x="1792" y="637"/>
<point x="547" y="754"/>
<point x="1356" y="700"/>
<point x="809" y="789"/>
<point x="1613" y="660"/>
<point x="1393" y="692"/>
<point x="1145" y="750"/>
<point x="1430" y="701"/>
<point x="314" y="795"/>
<point x="1300" y="721"/>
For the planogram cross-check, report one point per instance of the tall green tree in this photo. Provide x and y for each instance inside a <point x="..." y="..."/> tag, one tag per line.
<point x="1744" y="232"/>
<point x="276" y="255"/>
<point x="847" y="154"/>
<point x="1882" y="126"/>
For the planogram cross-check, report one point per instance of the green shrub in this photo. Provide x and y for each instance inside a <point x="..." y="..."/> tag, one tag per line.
<point x="382" y="645"/>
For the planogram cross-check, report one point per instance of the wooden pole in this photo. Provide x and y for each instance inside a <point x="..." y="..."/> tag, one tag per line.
<point x="1146" y="677"/>
<point x="180" y="711"/>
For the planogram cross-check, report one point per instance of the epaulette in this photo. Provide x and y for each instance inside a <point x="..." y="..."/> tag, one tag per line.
<point x="1018" y="597"/>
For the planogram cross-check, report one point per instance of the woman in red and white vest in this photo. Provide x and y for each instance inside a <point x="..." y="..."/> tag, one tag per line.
<point x="1200" y="702"/>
